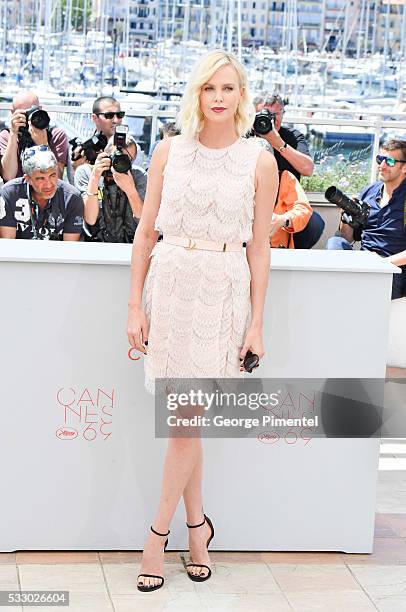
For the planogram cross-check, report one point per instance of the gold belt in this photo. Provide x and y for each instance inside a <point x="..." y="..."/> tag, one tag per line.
<point x="203" y="245"/>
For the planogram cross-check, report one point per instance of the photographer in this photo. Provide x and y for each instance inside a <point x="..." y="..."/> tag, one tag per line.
<point x="106" y="115"/>
<point x="289" y="145"/>
<point x="384" y="231"/>
<point x="113" y="200"/>
<point x="23" y="134"/>
<point x="292" y="154"/>
<point x="38" y="206"/>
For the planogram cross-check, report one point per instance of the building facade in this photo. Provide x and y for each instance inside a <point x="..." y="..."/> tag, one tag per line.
<point x="356" y="26"/>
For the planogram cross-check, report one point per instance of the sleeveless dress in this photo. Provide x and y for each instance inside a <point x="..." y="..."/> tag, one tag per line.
<point x="198" y="302"/>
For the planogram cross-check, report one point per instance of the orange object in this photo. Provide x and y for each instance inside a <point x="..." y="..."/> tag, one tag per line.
<point x="292" y="200"/>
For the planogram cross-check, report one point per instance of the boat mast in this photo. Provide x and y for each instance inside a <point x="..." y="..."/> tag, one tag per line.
<point x="361" y="30"/>
<point x="166" y="19"/>
<point x="239" y="34"/>
<point x="127" y="39"/>
<point x="323" y="24"/>
<point x="374" y="28"/>
<point x="103" y="22"/>
<point x="213" y="24"/>
<point x="230" y="25"/>
<point x="84" y="25"/>
<point x="22" y="33"/>
<point x="403" y="33"/>
<point x="386" y="47"/>
<point x="47" y="37"/>
<point x="4" y="44"/>
<point x="223" y="25"/>
<point x="290" y="40"/>
<point x="39" y="58"/>
<point x="367" y="19"/>
<point x="402" y="52"/>
<point x="185" y="37"/>
<point x="294" y="29"/>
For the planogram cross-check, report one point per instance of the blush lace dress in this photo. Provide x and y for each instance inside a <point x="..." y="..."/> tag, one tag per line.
<point x="198" y="302"/>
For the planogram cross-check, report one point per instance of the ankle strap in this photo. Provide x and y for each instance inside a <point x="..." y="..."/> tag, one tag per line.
<point x="160" y="534"/>
<point x="199" y="525"/>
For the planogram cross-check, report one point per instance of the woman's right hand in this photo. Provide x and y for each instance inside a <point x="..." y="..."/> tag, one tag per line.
<point x="137" y="328"/>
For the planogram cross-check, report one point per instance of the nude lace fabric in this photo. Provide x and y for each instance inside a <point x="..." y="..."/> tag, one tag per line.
<point x="198" y="302"/>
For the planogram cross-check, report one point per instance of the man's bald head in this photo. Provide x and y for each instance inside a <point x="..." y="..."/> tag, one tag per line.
<point x="24" y="100"/>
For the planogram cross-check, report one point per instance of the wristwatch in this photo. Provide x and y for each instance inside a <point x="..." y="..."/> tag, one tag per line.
<point x="284" y="146"/>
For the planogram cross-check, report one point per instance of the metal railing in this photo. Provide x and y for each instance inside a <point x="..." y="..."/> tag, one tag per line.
<point x="77" y="120"/>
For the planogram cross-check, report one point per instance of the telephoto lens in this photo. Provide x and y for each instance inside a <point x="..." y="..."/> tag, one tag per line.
<point x="335" y="196"/>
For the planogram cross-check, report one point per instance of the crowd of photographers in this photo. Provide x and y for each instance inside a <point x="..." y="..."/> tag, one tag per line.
<point x="102" y="198"/>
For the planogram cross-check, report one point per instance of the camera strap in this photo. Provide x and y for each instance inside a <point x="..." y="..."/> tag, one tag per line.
<point x="34" y="214"/>
<point x="110" y="211"/>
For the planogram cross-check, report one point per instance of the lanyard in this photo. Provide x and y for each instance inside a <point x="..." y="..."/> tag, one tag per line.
<point x="34" y="215"/>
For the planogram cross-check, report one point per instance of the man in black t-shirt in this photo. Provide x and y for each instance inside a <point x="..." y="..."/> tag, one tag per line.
<point x="39" y="206"/>
<point x="291" y="153"/>
<point x="290" y="146"/>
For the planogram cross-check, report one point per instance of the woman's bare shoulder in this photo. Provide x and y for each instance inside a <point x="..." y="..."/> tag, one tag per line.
<point x="160" y="156"/>
<point x="266" y="161"/>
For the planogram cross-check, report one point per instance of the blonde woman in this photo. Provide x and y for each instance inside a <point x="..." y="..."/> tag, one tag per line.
<point x="204" y="295"/>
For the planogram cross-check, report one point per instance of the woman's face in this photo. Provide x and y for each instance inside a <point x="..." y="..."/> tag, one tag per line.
<point x="219" y="97"/>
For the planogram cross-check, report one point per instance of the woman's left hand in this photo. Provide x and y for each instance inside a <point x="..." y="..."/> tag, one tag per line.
<point x="253" y="342"/>
<point x="125" y="181"/>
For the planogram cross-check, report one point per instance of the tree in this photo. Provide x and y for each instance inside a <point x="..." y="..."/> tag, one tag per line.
<point x="77" y="12"/>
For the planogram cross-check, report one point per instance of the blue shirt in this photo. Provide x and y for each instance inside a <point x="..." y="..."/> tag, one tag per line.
<point x="385" y="232"/>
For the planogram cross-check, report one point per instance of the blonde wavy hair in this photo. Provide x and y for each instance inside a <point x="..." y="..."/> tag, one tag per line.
<point x="190" y="118"/>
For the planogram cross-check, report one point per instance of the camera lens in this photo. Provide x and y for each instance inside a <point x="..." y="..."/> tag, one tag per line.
<point x="263" y="121"/>
<point x="39" y="119"/>
<point x="121" y="162"/>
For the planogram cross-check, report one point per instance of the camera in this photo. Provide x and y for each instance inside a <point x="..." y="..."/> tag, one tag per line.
<point x="39" y="119"/>
<point x="90" y="148"/>
<point x="264" y="122"/>
<point x="356" y="213"/>
<point x="120" y="161"/>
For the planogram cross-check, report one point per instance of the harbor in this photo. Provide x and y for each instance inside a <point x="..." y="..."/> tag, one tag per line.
<point x="347" y="95"/>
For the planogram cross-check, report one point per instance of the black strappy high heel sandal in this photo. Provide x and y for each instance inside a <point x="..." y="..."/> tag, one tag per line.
<point x="146" y="589"/>
<point x="191" y="576"/>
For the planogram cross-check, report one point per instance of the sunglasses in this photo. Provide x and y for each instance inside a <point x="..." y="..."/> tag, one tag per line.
<point x="110" y="115"/>
<point x="390" y="161"/>
<point x="27" y="153"/>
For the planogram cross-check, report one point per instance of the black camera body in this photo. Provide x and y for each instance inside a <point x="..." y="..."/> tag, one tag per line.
<point x="264" y="122"/>
<point x="39" y="119"/>
<point x="355" y="213"/>
<point x="120" y="161"/>
<point x="90" y="148"/>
